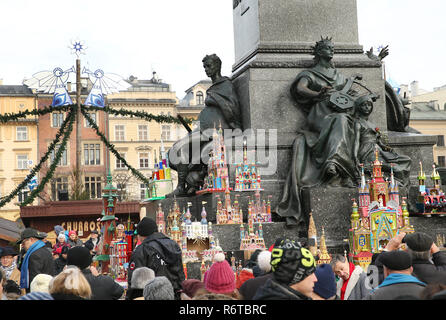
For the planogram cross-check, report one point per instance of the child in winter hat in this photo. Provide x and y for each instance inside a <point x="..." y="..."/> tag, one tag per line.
<point x="220" y="278"/>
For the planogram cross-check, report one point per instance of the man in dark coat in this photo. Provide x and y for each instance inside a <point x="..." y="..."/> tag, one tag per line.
<point x="159" y="253"/>
<point x="102" y="287"/>
<point x="37" y="259"/>
<point x="293" y="273"/>
<point x="398" y="279"/>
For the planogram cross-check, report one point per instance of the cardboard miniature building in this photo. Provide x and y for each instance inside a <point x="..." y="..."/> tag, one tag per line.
<point x="260" y="210"/>
<point x="217" y="179"/>
<point x="228" y="212"/>
<point x="430" y="201"/>
<point x="378" y="217"/>
<point x="247" y="175"/>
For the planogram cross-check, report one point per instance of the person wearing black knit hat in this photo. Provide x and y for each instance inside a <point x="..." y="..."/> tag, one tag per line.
<point x="293" y="275"/>
<point x="159" y="253"/>
<point x="398" y="278"/>
<point x="102" y="287"/>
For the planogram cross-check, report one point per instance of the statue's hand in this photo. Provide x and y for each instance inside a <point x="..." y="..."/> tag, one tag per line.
<point x="326" y="92"/>
<point x="383" y="53"/>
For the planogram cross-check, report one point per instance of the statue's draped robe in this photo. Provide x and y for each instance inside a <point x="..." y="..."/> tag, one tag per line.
<point x="328" y="140"/>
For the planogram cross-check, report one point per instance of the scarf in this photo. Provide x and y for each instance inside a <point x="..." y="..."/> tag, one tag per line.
<point x="24" y="272"/>
<point x="10" y="269"/>
<point x="344" y="285"/>
<point x="394" y="278"/>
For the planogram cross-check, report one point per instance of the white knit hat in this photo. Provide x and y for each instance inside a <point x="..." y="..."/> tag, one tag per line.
<point x="41" y="283"/>
<point x="264" y="261"/>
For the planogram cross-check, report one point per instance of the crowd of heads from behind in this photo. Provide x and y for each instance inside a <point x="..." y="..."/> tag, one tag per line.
<point x="285" y="271"/>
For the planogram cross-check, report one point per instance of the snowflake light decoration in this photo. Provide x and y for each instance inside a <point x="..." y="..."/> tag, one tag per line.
<point x="78" y="47"/>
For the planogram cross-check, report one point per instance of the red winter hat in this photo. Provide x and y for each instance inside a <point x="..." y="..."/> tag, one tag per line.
<point x="243" y="276"/>
<point x="220" y="277"/>
<point x="71" y="232"/>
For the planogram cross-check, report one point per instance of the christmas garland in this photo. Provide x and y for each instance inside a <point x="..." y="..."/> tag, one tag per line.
<point x="57" y="157"/>
<point x="37" y="168"/>
<point x="40" y="112"/>
<point x="111" y="147"/>
<point x="140" y="114"/>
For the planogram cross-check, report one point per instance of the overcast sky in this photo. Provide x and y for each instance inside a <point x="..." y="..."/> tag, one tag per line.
<point x="135" y="37"/>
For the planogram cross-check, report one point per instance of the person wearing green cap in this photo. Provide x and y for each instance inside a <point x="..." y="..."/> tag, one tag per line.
<point x="293" y="277"/>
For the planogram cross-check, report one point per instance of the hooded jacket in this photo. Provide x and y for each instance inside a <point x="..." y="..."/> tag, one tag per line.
<point x="273" y="290"/>
<point x="250" y="287"/>
<point x="161" y="254"/>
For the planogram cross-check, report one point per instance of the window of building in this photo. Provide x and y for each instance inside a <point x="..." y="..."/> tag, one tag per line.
<point x="144" y="160"/>
<point x="143" y="188"/>
<point x="120" y="132"/>
<point x="58" y="118"/>
<point x="165" y="132"/>
<point x="57" y="184"/>
<point x="22" y="133"/>
<point x="92" y="154"/>
<point x="22" y="161"/>
<point x="93" y="187"/>
<point x="442" y="161"/>
<point x="119" y="163"/>
<point x="93" y="117"/>
<point x="200" y="98"/>
<point x="143" y="133"/>
<point x="440" y="141"/>
<point x="121" y="190"/>
<point x="22" y="195"/>
<point x="63" y="159"/>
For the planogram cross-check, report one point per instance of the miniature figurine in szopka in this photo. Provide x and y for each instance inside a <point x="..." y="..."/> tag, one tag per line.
<point x="217" y="179"/>
<point x="379" y="216"/>
<point x="260" y="211"/>
<point x="247" y="175"/>
<point x="430" y="201"/>
<point x="228" y="213"/>
<point x="160" y="220"/>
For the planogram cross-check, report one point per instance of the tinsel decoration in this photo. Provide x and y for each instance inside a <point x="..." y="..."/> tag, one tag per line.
<point x="57" y="157"/>
<point x="39" y="112"/>
<point x="37" y="168"/>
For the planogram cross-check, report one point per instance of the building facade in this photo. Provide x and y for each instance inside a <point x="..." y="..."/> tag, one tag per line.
<point x="93" y="157"/>
<point x="428" y="119"/>
<point x="18" y="145"/>
<point x="138" y="141"/>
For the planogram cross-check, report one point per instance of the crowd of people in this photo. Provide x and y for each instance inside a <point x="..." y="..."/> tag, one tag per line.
<point x="411" y="267"/>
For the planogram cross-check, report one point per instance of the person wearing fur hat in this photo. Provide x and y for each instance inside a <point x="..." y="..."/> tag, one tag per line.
<point x="191" y="287"/>
<point x="250" y="287"/>
<point x="73" y="239"/>
<point x="61" y="242"/>
<point x="102" y="287"/>
<point x="353" y="279"/>
<point x="220" y="278"/>
<point x="159" y="253"/>
<point x="293" y="276"/>
<point x="325" y="287"/>
<point x="398" y="278"/>
<point x="141" y="277"/>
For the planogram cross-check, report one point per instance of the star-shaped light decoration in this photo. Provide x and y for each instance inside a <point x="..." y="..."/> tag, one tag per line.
<point x="78" y="47"/>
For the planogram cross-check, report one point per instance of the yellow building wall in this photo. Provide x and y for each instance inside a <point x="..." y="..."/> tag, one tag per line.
<point x="433" y="128"/>
<point x="439" y="96"/>
<point x="10" y="175"/>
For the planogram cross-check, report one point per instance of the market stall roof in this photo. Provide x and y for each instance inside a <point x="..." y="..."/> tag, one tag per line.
<point x="9" y="230"/>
